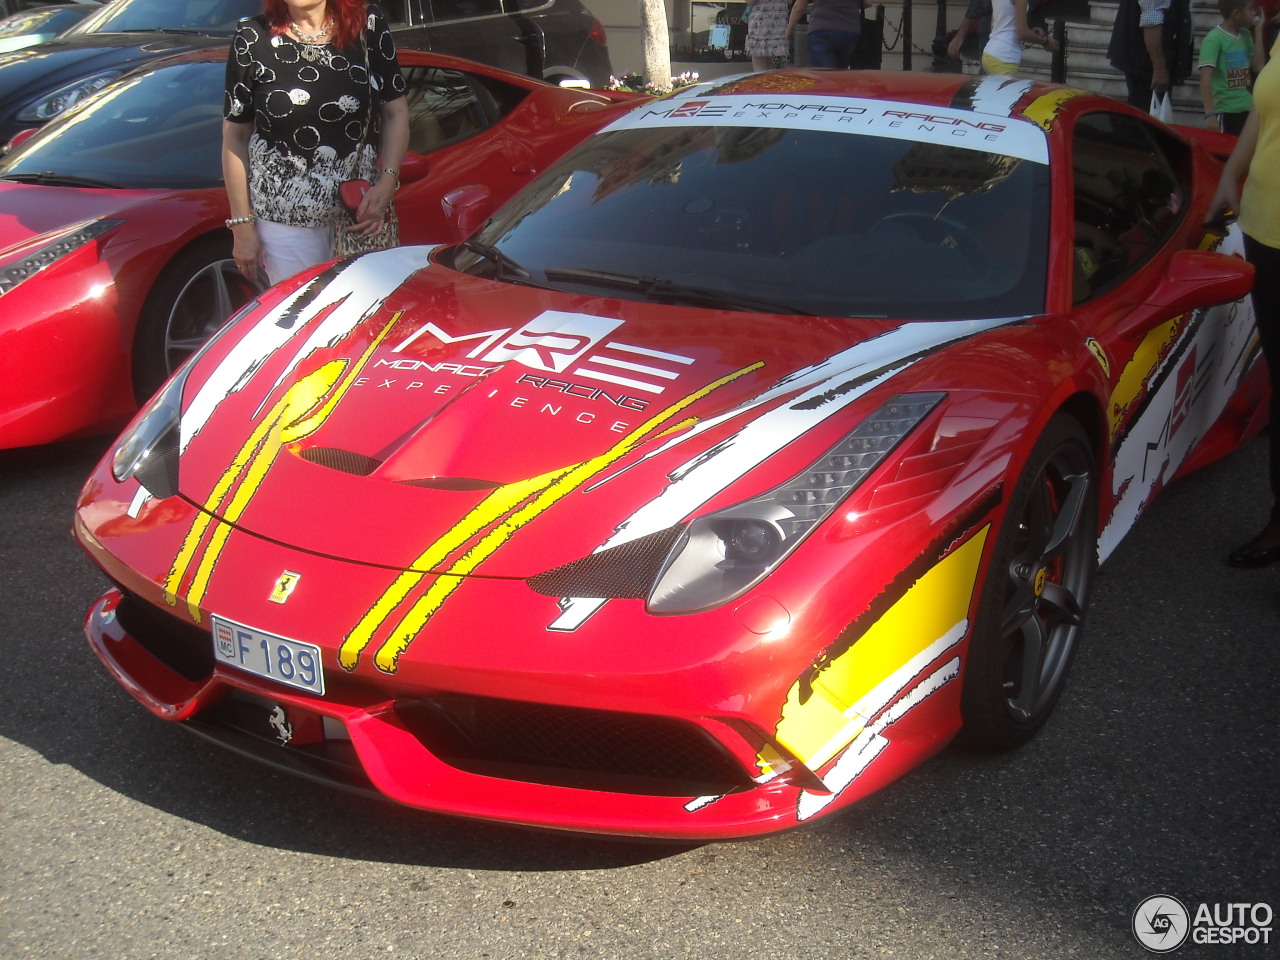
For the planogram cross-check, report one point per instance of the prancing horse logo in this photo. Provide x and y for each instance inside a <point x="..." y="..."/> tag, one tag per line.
<point x="280" y="723"/>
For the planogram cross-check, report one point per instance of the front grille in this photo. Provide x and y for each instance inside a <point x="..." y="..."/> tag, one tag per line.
<point x="182" y="646"/>
<point x="573" y="747"/>
<point x="627" y="571"/>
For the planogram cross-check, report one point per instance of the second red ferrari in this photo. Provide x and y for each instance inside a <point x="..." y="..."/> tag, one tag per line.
<point x="114" y="262"/>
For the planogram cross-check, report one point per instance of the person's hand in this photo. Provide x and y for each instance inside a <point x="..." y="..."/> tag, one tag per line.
<point x="246" y="249"/>
<point x="1226" y="199"/>
<point x="1160" y="80"/>
<point x="1043" y="39"/>
<point x="1211" y="123"/>
<point x="372" y="215"/>
<point x="953" y="48"/>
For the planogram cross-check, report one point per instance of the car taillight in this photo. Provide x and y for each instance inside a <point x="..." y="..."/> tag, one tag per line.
<point x="597" y="33"/>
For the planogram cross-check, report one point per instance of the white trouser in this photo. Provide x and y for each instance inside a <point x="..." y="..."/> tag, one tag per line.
<point x="287" y="250"/>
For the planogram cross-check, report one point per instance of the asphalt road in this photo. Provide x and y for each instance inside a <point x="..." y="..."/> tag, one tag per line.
<point x="124" y="837"/>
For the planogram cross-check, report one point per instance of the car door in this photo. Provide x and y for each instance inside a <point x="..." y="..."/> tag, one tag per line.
<point x="456" y="120"/>
<point x="1149" y="305"/>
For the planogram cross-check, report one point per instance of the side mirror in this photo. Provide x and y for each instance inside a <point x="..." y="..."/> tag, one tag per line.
<point x="466" y="208"/>
<point x="1197" y="278"/>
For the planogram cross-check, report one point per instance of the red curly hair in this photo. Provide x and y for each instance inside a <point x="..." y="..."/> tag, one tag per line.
<point x="347" y="16"/>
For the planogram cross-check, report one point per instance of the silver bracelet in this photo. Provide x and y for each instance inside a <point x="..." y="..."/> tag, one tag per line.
<point x="234" y="221"/>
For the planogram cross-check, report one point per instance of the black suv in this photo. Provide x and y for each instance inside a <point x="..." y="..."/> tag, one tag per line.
<point x="558" y="40"/>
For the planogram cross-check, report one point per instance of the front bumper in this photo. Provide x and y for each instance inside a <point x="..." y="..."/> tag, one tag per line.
<point x="368" y="743"/>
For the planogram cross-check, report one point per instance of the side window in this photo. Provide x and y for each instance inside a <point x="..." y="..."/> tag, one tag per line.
<point x="396" y="14"/>
<point x="1130" y="186"/>
<point x="442" y="10"/>
<point x="446" y="106"/>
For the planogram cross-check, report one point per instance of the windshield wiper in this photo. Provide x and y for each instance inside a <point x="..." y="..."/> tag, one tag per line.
<point x="508" y="269"/>
<point x="50" y="179"/>
<point x="660" y="288"/>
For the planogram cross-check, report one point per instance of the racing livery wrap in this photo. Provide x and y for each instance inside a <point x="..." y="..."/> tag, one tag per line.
<point x="706" y="530"/>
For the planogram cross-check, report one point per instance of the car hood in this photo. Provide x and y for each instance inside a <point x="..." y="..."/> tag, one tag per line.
<point x="398" y="413"/>
<point x="26" y="74"/>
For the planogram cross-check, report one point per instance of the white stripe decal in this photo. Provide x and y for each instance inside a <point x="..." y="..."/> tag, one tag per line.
<point x="360" y="287"/>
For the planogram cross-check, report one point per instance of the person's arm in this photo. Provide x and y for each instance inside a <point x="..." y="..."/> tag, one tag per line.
<point x="967" y="26"/>
<point x="393" y="112"/>
<point x="797" y="11"/>
<point x="245" y="247"/>
<point x="1206" y="96"/>
<point x="1209" y="57"/>
<point x="1259" y="59"/>
<point x="1227" y="196"/>
<point x="1153" y="37"/>
<point x="391" y="151"/>
<point x="1027" y="34"/>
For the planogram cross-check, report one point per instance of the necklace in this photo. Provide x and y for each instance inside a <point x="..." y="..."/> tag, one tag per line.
<point x="311" y="42"/>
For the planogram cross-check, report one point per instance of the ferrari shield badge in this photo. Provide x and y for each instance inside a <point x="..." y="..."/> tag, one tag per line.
<point x="284" y="586"/>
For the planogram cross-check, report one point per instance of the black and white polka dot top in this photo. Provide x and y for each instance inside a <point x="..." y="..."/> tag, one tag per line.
<point x="309" y="105"/>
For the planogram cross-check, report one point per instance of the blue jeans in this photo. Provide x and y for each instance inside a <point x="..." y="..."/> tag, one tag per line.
<point x="832" y="48"/>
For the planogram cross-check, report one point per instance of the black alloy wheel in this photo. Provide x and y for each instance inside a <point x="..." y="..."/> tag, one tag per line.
<point x="1031" y="613"/>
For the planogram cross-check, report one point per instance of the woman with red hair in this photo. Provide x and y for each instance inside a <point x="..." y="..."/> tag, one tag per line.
<point x="314" y="96"/>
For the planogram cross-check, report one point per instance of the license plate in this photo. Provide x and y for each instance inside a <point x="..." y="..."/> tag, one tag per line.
<point x="266" y="655"/>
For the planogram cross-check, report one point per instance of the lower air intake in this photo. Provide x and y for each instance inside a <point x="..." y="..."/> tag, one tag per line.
<point x="573" y="747"/>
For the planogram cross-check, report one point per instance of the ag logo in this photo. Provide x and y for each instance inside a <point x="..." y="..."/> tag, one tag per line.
<point x="1161" y="924"/>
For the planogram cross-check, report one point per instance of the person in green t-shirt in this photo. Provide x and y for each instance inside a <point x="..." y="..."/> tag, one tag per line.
<point x="1230" y="55"/>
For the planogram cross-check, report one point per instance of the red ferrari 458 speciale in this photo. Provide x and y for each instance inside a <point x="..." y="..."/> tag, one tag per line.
<point x="765" y="442"/>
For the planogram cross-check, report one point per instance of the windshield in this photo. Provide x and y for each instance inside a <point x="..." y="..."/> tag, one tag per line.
<point x="800" y="221"/>
<point x="215" y="17"/>
<point x="161" y="129"/>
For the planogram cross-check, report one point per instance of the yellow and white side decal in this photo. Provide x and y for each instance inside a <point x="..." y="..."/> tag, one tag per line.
<point x="1043" y="110"/>
<point x="1137" y="373"/>
<point x="846" y="709"/>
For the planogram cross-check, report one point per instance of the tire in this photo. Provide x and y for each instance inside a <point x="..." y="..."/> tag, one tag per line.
<point x="1031" y="613"/>
<point x="194" y="296"/>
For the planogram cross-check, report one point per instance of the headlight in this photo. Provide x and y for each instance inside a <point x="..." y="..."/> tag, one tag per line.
<point x="50" y="253"/>
<point x="148" y="450"/>
<point x="52" y="104"/>
<point x="723" y="554"/>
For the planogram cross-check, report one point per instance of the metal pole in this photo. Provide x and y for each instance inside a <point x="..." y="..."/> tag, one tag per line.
<point x="906" y="34"/>
<point x="1058" y="70"/>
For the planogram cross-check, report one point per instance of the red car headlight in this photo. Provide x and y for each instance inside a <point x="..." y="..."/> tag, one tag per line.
<point x="714" y="558"/>
<point x="75" y="238"/>
<point x="725" y="553"/>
